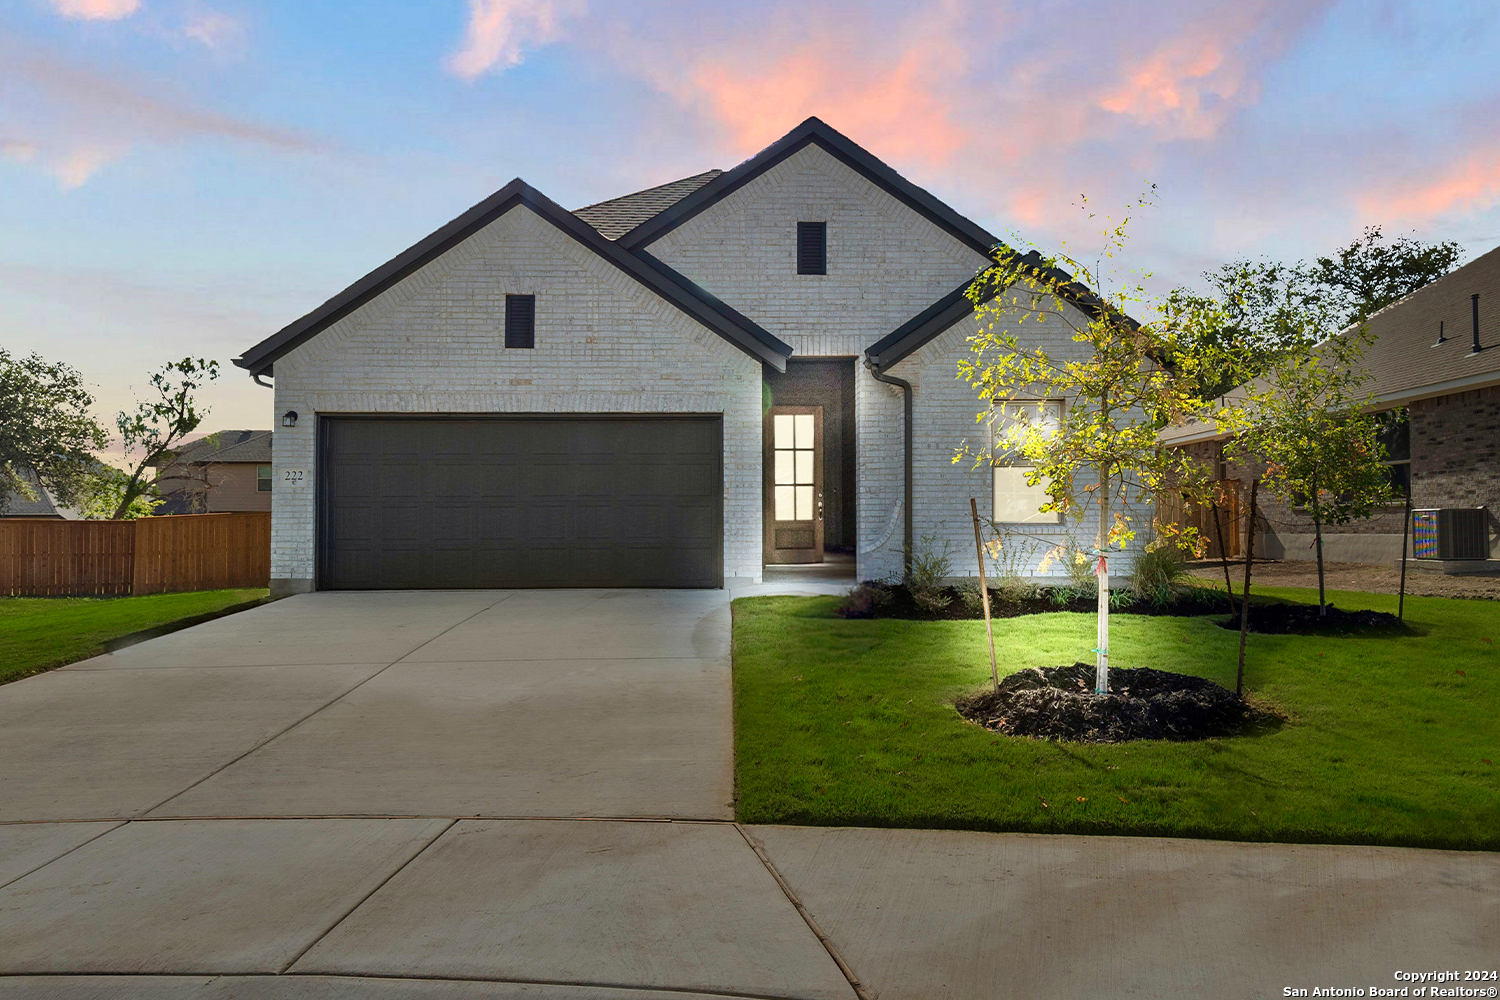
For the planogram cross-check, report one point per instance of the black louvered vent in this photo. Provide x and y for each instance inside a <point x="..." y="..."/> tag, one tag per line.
<point x="812" y="248"/>
<point x="520" y="321"/>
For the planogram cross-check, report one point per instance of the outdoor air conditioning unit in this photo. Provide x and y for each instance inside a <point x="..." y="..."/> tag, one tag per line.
<point x="1451" y="533"/>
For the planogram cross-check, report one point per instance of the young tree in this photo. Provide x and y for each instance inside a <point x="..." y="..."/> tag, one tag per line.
<point x="1122" y="383"/>
<point x="45" y="428"/>
<point x="1307" y="420"/>
<point x="159" y="425"/>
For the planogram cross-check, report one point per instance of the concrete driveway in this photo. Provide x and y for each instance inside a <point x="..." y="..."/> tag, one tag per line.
<point x="530" y="794"/>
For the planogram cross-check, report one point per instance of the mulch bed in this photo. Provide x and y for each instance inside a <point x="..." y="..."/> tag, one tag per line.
<point x="1058" y="703"/>
<point x="1299" y="619"/>
<point x="880" y="600"/>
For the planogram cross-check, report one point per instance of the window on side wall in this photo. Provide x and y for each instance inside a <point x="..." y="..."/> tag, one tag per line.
<point x="1394" y="431"/>
<point x="263" y="478"/>
<point x="1015" y="500"/>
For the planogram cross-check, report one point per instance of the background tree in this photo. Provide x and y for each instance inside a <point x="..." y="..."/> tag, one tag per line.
<point x="157" y="426"/>
<point x="1306" y="420"/>
<point x="1268" y="308"/>
<point x="45" y="428"/>
<point x="1119" y="388"/>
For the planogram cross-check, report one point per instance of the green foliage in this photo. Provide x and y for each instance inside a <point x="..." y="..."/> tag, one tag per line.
<point x="1122" y="383"/>
<point x="1306" y="420"/>
<point x="157" y="425"/>
<point x="1158" y="573"/>
<point x="103" y="496"/>
<point x="930" y="566"/>
<point x="45" y="428"/>
<point x="1258" y="310"/>
<point x="865" y="601"/>
<point x="1369" y="275"/>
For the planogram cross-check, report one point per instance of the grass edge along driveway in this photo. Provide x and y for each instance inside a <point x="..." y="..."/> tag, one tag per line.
<point x="1389" y="740"/>
<point x="40" y="633"/>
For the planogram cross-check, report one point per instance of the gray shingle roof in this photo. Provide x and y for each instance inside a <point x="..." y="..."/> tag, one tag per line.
<point x="228" y="446"/>
<point x="618" y="216"/>
<point x="45" y="505"/>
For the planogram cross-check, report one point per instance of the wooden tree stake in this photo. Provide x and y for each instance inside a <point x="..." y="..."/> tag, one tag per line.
<point x="1239" y="680"/>
<point x="984" y="592"/>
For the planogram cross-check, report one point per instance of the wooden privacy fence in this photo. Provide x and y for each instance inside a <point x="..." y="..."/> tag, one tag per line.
<point x="152" y="555"/>
<point x="1189" y="515"/>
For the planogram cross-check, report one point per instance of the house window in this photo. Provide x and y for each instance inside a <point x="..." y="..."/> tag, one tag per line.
<point x="1393" y="428"/>
<point x="263" y="478"/>
<point x="520" y="321"/>
<point x="1015" y="500"/>
<point x="812" y="248"/>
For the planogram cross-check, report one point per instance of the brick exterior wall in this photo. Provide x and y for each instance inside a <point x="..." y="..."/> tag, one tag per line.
<point x="434" y="344"/>
<point x="886" y="263"/>
<point x="944" y="417"/>
<point x="1455" y="454"/>
<point x="1455" y="462"/>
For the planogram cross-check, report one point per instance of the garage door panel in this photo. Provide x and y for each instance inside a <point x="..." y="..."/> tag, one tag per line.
<point x="521" y="502"/>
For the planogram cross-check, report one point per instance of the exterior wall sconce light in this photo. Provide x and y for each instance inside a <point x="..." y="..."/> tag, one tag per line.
<point x="289" y="418"/>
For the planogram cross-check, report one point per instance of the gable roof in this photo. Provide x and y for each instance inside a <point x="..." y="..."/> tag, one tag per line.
<point x="19" y="504"/>
<point x="696" y="303"/>
<point x="618" y="216"/>
<point x="813" y="131"/>
<point x="226" y="446"/>
<point x="927" y="325"/>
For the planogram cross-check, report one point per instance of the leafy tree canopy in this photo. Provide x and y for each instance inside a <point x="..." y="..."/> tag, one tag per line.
<point x="45" y="427"/>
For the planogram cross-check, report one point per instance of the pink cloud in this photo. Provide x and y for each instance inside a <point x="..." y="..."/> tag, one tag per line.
<point x="898" y="105"/>
<point x="96" y="10"/>
<point x="499" y="32"/>
<point x="1472" y="184"/>
<point x="1182" y="88"/>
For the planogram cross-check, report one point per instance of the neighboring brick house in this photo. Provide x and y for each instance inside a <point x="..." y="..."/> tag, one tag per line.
<point x="1436" y="354"/>
<point x="221" y="472"/>
<point x="672" y="388"/>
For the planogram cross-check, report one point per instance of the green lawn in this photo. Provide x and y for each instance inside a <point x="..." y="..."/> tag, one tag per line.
<point x="1389" y="741"/>
<point x="39" y="633"/>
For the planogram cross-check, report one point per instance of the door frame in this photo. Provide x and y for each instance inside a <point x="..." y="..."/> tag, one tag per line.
<point x="773" y="556"/>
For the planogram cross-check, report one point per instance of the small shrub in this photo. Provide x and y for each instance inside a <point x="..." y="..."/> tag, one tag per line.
<point x="929" y="567"/>
<point x="1014" y="589"/>
<point x="971" y="595"/>
<point x="1158" y="574"/>
<point x="1081" y="579"/>
<point x="864" y="601"/>
<point x="1062" y="595"/>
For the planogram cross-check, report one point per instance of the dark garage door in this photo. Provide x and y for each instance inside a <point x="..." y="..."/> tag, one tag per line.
<point x="526" y="501"/>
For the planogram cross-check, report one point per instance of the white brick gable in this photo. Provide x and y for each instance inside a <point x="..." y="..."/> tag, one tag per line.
<point x="886" y="262"/>
<point x="433" y="343"/>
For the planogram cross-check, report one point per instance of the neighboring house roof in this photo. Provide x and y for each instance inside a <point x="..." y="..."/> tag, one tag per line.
<point x="226" y="446"/>
<point x="687" y="297"/>
<point x="1406" y="362"/>
<point x="45" y="505"/>
<point x="618" y="216"/>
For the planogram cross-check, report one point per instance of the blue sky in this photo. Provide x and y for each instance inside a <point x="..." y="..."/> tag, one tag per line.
<point x="187" y="176"/>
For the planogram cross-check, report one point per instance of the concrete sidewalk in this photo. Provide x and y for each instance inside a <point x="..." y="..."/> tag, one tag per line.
<point x="530" y="795"/>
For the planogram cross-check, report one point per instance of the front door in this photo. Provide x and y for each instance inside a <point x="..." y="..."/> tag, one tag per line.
<point x="794" y="484"/>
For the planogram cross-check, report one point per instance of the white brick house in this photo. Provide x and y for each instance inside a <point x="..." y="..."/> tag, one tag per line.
<point x="673" y="388"/>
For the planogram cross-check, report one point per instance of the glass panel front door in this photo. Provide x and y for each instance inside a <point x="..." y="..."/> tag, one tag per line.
<point x="794" y="459"/>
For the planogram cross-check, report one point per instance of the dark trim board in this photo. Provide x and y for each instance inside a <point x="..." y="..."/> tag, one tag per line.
<point x="814" y="131"/>
<point x="696" y="303"/>
<point x="520" y="500"/>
